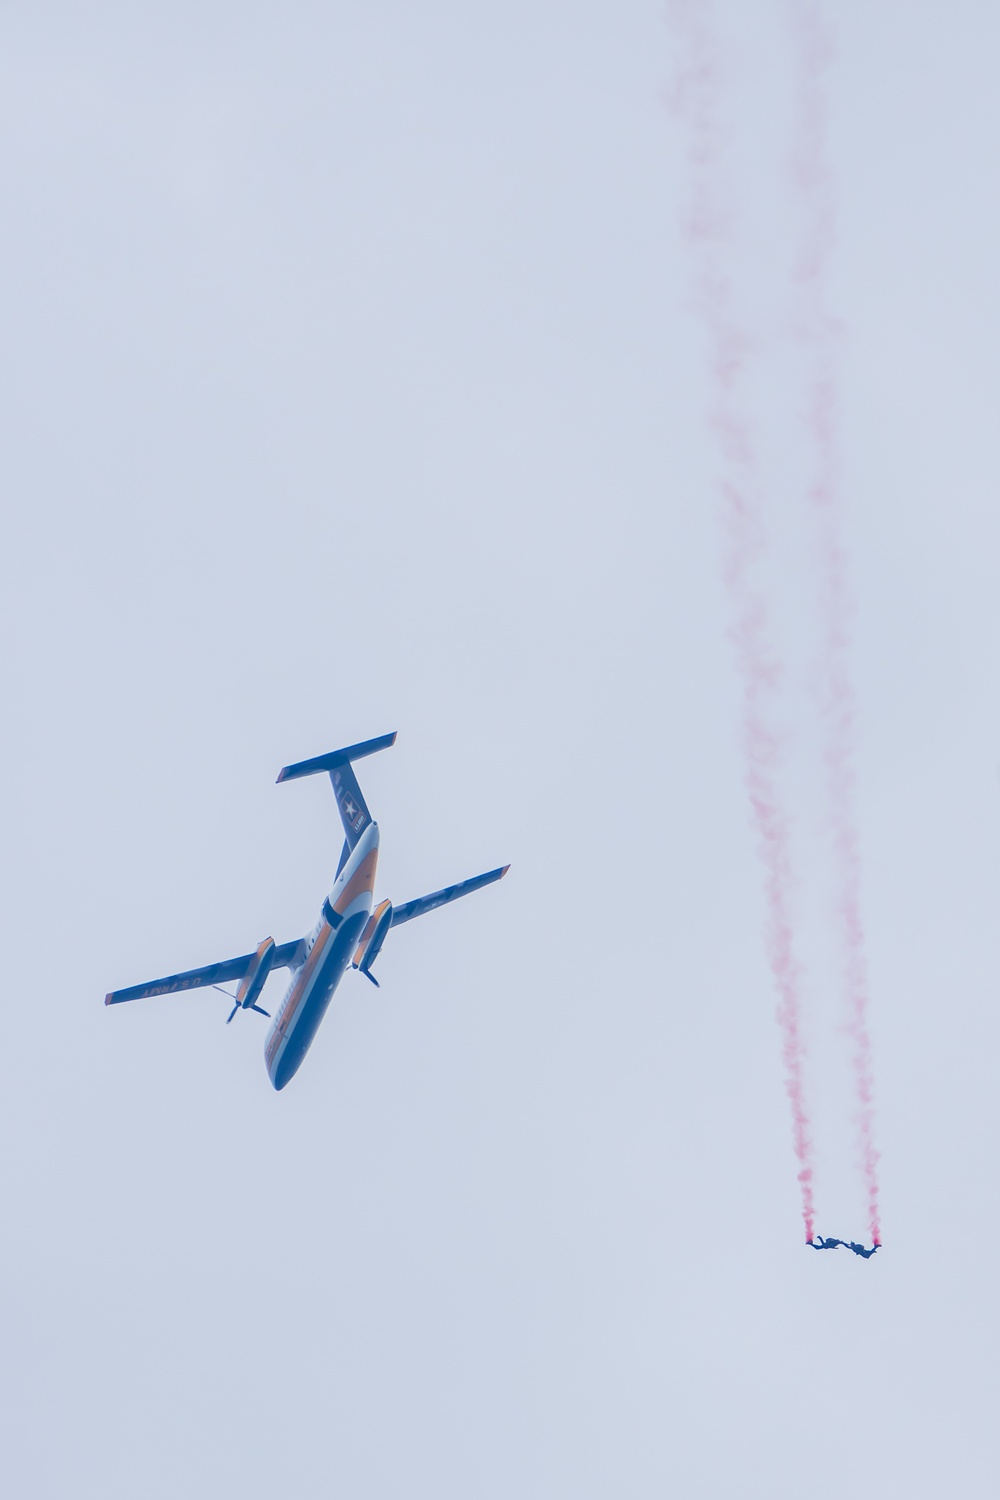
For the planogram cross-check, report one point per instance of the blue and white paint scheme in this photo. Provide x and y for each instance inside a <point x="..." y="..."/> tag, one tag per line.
<point x="348" y="933"/>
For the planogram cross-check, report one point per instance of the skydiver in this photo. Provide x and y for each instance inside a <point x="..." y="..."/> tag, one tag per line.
<point x="861" y="1250"/>
<point x="819" y="1243"/>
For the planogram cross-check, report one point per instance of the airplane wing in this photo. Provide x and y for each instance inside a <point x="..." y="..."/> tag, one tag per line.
<point x="193" y="979"/>
<point x="441" y="898"/>
<point x="386" y="916"/>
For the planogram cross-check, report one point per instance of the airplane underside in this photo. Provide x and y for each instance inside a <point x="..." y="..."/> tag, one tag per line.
<point x="348" y="932"/>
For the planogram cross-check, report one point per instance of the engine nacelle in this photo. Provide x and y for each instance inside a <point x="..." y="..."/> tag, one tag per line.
<point x="374" y="935"/>
<point x="255" y="977"/>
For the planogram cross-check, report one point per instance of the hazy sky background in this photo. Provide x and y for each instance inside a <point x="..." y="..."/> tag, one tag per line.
<point x="350" y="384"/>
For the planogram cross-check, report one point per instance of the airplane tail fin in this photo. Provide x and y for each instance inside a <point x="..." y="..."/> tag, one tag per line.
<point x="354" y="812"/>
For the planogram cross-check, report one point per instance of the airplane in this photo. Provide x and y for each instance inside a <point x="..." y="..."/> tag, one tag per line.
<point x="348" y="933"/>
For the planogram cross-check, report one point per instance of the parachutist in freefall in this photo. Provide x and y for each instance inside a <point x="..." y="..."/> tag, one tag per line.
<point x="819" y="1243"/>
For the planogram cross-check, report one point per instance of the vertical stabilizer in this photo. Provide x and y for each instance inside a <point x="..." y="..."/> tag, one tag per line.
<point x="351" y="804"/>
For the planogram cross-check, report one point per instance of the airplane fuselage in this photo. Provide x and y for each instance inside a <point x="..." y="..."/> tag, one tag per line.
<point x="326" y="953"/>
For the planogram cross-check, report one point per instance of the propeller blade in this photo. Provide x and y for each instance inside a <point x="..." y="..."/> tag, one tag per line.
<point x="231" y="1014"/>
<point x="261" y="1011"/>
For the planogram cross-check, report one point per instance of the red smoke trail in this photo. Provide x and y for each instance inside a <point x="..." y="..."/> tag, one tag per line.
<point x="819" y="331"/>
<point x="709" y="235"/>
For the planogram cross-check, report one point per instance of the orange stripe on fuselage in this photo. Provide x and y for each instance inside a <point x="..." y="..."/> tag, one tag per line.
<point x="362" y="880"/>
<point x="302" y="983"/>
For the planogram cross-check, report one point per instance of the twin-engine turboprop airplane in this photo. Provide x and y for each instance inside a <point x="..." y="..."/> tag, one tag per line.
<point x="348" y="930"/>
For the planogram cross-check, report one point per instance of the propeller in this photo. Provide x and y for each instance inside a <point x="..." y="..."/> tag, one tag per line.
<point x="258" y="1008"/>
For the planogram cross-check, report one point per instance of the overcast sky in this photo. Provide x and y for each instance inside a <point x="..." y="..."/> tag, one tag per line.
<point x="351" y="383"/>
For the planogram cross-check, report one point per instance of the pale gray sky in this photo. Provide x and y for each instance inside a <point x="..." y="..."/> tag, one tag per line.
<point x="351" y="384"/>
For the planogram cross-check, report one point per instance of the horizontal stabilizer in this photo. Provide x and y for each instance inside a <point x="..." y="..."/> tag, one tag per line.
<point x="193" y="979"/>
<point x="353" y="808"/>
<point x="441" y="898"/>
<point x="336" y="758"/>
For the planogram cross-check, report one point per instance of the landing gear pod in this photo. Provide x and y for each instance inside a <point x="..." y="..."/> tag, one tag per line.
<point x="255" y="977"/>
<point x="372" y="938"/>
